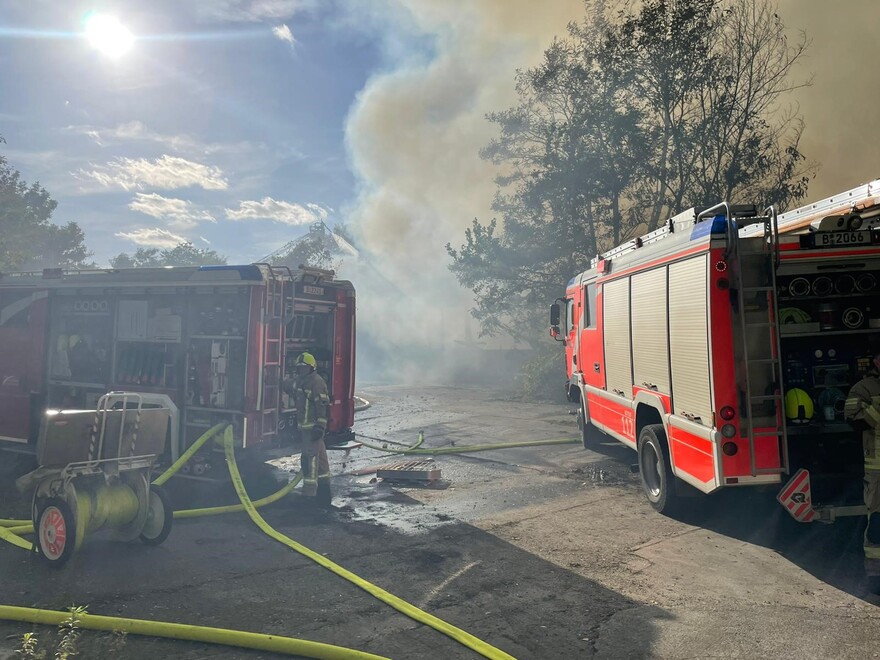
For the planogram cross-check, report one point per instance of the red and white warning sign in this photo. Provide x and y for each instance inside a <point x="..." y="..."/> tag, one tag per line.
<point x="796" y="497"/>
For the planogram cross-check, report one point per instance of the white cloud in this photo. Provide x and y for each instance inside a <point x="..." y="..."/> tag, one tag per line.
<point x="134" y="130"/>
<point x="164" y="173"/>
<point x="179" y="213"/>
<point x="283" y="32"/>
<point x="288" y="213"/>
<point x="137" y="131"/>
<point x="247" y="11"/>
<point x="152" y="237"/>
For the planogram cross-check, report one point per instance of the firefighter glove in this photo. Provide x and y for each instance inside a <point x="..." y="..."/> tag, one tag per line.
<point x="317" y="433"/>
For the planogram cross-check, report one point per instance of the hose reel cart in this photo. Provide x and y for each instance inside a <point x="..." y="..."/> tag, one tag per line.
<point x="94" y="475"/>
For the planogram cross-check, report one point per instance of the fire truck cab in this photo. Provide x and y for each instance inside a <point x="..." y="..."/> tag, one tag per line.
<point x="721" y="347"/>
<point x="216" y="341"/>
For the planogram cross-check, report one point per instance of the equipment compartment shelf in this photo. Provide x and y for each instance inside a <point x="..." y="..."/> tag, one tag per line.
<point x="833" y="296"/>
<point x="819" y="429"/>
<point x="823" y="333"/>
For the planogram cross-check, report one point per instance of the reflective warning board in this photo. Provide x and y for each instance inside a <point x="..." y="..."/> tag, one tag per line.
<point x="797" y="498"/>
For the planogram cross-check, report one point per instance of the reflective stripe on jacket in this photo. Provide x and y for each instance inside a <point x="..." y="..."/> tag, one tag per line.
<point x="312" y="401"/>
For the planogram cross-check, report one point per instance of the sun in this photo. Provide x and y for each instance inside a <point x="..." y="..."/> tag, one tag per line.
<point x="107" y="35"/>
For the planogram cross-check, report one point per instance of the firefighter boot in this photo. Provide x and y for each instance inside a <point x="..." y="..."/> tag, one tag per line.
<point x="324" y="495"/>
<point x="310" y="478"/>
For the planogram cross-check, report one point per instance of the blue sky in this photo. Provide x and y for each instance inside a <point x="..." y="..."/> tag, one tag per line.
<point x="235" y="123"/>
<point x="224" y="124"/>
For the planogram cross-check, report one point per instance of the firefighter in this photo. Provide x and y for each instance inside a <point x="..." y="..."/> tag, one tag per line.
<point x="312" y="402"/>
<point x="863" y="410"/>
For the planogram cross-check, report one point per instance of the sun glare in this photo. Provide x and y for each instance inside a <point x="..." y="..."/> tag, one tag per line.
<point x="107" y="35"/>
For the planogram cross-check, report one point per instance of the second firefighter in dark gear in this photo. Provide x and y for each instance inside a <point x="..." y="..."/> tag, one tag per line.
<point x="312" y="405"/>
<point x="863" y="410"/>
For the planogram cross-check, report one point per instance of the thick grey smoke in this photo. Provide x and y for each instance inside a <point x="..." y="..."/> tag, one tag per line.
<point x="841" y="107"/>
<point x="414" y="137"/>
<point x="415" y="132"/>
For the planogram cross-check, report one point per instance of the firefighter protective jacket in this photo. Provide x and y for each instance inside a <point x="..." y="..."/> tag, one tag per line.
<point x="311" y="401"/>
<point x="863" y="408"/>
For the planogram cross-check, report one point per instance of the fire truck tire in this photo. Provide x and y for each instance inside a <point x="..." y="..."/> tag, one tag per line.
<point x="590" y="435"/>
<point x="655" y="470"/>
<point x="159" y="517"/>
<point x="55" y="528"/>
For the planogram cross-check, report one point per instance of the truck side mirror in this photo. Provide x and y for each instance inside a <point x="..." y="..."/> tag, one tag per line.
<point x="554" y="322"/>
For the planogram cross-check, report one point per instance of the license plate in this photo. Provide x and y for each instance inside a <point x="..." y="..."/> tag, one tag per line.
<point x="841" y="238"/>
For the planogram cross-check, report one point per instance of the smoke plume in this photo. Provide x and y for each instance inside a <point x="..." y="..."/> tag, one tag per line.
<point x="415" y="132"/>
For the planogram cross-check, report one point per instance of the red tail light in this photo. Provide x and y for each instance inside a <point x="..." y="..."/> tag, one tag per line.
<point x="727" y="413"/>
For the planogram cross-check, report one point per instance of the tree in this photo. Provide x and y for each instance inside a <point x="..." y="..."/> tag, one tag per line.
<point x="634" y="116"/>
<point x="28" y="238"/>
<point x="183" y="254"/>
<point x="321" y="247"/>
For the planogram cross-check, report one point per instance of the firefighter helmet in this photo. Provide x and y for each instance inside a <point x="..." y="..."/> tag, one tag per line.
<point x="306" y="359"/>
<point x="798" y="406"/>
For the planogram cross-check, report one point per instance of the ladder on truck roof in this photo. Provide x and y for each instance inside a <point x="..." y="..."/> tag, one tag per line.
<point x="850" y="201"/>
<point x="857" y="199"/>
<point x="683" y="221"/>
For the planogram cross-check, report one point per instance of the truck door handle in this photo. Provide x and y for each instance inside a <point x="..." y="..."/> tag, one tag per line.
<point x="618" y="392"/>
<point x="692" y="417"/>
<point x="650" y="386"/>
<point x="596" y="367"/>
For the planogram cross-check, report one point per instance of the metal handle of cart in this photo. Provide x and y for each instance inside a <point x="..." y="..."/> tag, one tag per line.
<point x="106" y="404"/>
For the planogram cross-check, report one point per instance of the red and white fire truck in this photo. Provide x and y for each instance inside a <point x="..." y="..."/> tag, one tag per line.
<point x="212" y="342"/>
<point x="721" y="346"/>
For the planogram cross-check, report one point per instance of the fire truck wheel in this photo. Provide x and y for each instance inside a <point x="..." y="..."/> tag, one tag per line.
<point x="590" y="435"/>
<point x="56" y="531"/>
<point x="658" y="481"/>
<point x="159" y="517"/>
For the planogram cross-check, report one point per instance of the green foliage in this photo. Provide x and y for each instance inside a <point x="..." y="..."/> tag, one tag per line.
<point x="68" y="642"/>
<point x="70" y="634"/>
<point x="542" y="377"/>
<point x="183" y="254"/>
<point x="634" y="116"/>
<point x="29" y="648"/>
<point x="28" y="238"/>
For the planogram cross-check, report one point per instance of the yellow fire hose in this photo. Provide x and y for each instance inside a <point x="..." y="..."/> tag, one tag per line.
<point x="9" y="530"/>
<point x="467" y="449"/>
<point x="188" y="454"/>
<point x="14" y="539"/>
<point x="15" y="528"/>
<point x="239" y="638"/>
<point x="413" y="612"/>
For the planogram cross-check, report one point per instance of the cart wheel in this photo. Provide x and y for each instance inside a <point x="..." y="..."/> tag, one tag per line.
<point x="56" y="531"/>
<point x="159" y="517"/>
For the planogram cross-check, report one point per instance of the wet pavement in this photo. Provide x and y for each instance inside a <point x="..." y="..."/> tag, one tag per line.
<point x="546" y="552"/>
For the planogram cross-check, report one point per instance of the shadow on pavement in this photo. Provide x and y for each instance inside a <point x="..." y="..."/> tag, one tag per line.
<point x="223" y="572"/>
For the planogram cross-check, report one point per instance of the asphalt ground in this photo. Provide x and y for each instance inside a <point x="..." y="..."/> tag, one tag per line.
<point x="548" y="552"/>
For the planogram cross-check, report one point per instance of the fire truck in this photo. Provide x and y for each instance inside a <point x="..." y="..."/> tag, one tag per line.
<point x="722" y="345"/>
<point x="213" y="343"/>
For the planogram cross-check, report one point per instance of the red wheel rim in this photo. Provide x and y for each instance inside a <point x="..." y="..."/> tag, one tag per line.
<point x="53" y="533"/>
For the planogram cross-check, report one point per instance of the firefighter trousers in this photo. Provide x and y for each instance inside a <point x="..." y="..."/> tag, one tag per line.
<point x="315" y="466"/>
<point x="872" y="533"/>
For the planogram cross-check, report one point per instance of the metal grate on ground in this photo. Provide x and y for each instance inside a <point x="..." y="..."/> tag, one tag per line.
<point x="409" y="471"/>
